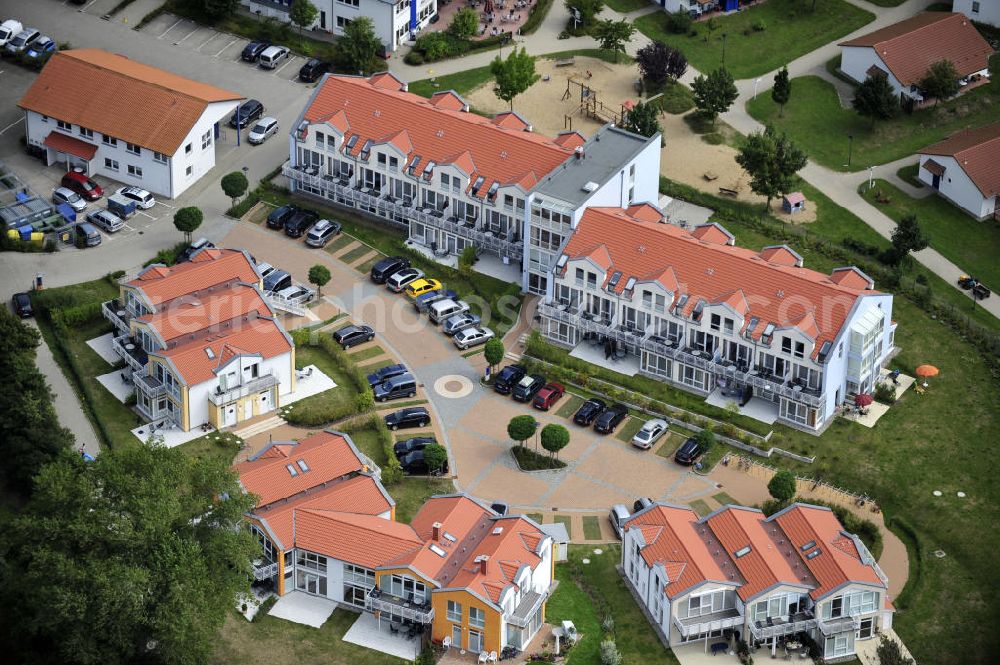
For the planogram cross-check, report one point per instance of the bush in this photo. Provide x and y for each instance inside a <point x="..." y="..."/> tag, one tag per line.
<point x="885" y="393"/>
<point x="529" y="460"/>
<point x="536" y="15"/>
<point x="680" y="22"/>
<point x="610" y="654"/>
<point x="759" y="25"/>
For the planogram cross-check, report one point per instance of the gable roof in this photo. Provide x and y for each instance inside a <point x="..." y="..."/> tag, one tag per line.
<point x="364" y="540"/>
<point x="213" y="309"/>
<point x="977" y="152"/>
<point x="910" y="47"/>
<point x="506" y="553"/>
<point x="114" y="95"/>
<point x="207" y="268"/>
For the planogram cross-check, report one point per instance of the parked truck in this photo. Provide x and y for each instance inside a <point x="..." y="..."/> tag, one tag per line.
<point x="121" y="206"/>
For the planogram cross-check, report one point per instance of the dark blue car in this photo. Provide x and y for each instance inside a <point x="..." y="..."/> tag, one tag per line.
<point x="42" y="46"/>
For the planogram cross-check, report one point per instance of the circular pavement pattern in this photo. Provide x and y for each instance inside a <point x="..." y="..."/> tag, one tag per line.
<point x="453" y="386"/>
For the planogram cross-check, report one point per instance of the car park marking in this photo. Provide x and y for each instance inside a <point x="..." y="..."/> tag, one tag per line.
<point x="161" y="203"/>
<point x="13" y="124"/>
<point x="164" y="33"/>
<point x="210" y="38"/>
<point x="88" y="6"/>
<point x="184" y="38"/>
<point x="143" y="212"/>
<point x="288" y="61"/>
<point x="225" y="47"/>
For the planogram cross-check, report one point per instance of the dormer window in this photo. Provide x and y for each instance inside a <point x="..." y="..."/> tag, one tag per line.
<point x="366" y="149"/>
<point x="751" y="326"/>
<point x="351" y="142"/>
<point x="697" y="311"/>
<point x="613" y="282"/>
<point x="629" y="287"/>
<point x="429" y="170"/>
<point x="768" y="333"/>
<point x="492" y="193"/>
<point x="679" y="307"/>
<point x="412" y="168"/>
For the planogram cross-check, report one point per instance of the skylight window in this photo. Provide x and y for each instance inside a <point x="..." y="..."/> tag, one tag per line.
<point x="437" y="550"/>
<point x="210" y="353"/>
<point x="740" y="553"/>
<point x="413" y="163"/>
<point x="808" y="546"/>
<point x="449" y="537"/>
<point x="302" y="465"/>
<point x="497" y="531"/>
<point x="615" y="278"/>
<point x="292" y="470"/>
<point x="351" y="142"/>
<point x="815" y="553"/>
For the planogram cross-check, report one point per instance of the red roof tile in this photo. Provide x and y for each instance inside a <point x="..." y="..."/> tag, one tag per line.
<point x="214" y="309"/>
<point x="194" y="363"/>
<point x="448" y="99"/>
<point x="781" y="255"/>
<point x="363" y="540"/>
<point x="507" y="552"/>
<point x="209" y="268"/>
<point x="571" y="140"/>
<point x="977" y="151"/>
<point x="910" y="47"/>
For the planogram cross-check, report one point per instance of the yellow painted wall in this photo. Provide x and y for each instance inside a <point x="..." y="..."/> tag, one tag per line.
<point x="291" y="372"/>
<point x="281" y="573"/>
<point x="214" y="416"/>
<point x="442" y="627"/>
<point x="185" y="413"/>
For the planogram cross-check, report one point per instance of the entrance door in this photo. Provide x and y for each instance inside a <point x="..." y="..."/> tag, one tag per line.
<point x="475" y="641"/>
<point x="265" y="401"/>
<point x="248" y="409"/>
<point x="936" y="181"/>
<point x="312" y="583"/>
<point x="456" y="636"/>
<point x="322" y="20"/>
<point x="230" y="416"/>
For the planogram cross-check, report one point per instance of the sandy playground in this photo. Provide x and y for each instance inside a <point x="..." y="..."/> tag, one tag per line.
<point x="546" y="106"/>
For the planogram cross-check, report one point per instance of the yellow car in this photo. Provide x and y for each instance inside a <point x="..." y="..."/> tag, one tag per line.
<point x="422" y="286"/>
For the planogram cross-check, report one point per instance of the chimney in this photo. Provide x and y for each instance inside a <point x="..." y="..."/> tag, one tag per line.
<point x="482" y="564"/>
<point x="578" y="151"/>
<point x="436" y="532"/>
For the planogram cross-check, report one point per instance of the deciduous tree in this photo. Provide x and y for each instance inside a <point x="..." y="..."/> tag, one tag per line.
<point x="465" y="23"/>
<point x="319" y="275"/>
<point x="521" y="428"/>
<point x="889" y="653"/>
<point x="706" y="440"/>
<point x="940" y="81"/>
<point x="302" y="13"/>
<point x="554" y="437"/>
<point x="715" y="93"/>
<point x="614" y="35"/>
<point x="643" y="119"/>
<point x="234" y="185"/>
<point x="187" y="220"/>
<point x="359" y="45"/>
<point x="494" y="351"/>
<point x="782" y="90"/>
<point x="876" y="99"/>
<point x="772" y="161"/>
<point x="588" y="9"/>
<point x="218" y="9"/>
<point x="436" y="458"/>
<point x="659" y="63"/>
<point x="906" y="237"/>
<point x="782" y="486"/>
<point x="513" y="75"/>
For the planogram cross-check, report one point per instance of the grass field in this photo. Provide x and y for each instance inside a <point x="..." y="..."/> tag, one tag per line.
<point x="725" y="499"/>
<point x="909" y="174"/>
<point x="971" y="245"/>
<point x="570" y="405"/>
<point x="367" y="353"/>
<point x="339" y="243"/>
<point x="411" y="493"/>
<point x="566" y="521"/>
<point x="627" y="430"/>
<point x="222" y="446"/>
<point x="354" y="254"/>
<point x="700" y="507"/>
<point x="820" y="126"/>
<point x="591" y="528"/>
<point x="791" y="30"/>
<point x="626" y="6"/>
<point x="329" y="399"/>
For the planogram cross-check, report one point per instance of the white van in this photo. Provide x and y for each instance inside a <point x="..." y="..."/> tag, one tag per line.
<point x="442" y="309"/>
<point x="8" y="30"/>
<point x="272" y="56"/>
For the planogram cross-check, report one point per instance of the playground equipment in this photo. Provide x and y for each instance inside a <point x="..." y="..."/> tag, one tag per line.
<point x="591" y="106"/>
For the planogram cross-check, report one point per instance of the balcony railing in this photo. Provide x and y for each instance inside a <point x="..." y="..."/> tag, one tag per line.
<point x="668" y="349"/>
<point x="378" y="601"/>
<point x="264" y="570"/>
<point x="129" y="351"/>
<point x="840" y="625"/>
<point x="530" y="602"/>
<point x="705" y="624"/>
<point x="149" y="385"/>
<point x="222" y="396"/>
<point x="115" y="312"/>
<point x="800" y="622"/>
<point x="393" y="209"/>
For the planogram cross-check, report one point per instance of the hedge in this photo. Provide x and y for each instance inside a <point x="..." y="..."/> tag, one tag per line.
<point x="914" y="548"/>
<point x="392" y="472"/>
<point x="312" y="413"/>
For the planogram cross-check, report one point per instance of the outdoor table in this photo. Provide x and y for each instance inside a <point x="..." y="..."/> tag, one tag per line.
<point x="121" y="312"/>
<point x="130" y="347"/>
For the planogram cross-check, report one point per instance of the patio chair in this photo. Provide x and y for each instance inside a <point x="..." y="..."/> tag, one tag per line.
<point x="446" y="642"/>
<point x="483" y="656"/>
<point x="493" y="657"/>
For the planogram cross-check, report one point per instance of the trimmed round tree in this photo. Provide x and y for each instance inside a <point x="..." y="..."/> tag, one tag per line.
<point x="235" y="185"/>
<point x="494" y="351"/>
<point x="187" y="220"/>
<point x="554" y="438"/>
<point x="436" y="458"/>
<point x="521" y="428"/>
<point x="782" y="486"/>
<point x="319" y="275"/>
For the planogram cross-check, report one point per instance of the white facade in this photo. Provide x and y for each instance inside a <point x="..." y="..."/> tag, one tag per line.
<point x="983" y="11"/>
<point x="395" y="21"/>
<point x="855" y="61"/>
<point x="956" y="186"/>
<point x="164" y="175"/>
<point x="672" y="6"/>
<point x="244" y="387"/>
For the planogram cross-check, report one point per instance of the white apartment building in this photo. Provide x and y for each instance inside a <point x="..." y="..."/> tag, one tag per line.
<point x="395" y="21"/>
<point x="983" y="11"/>
<point x="736" y="573"/>
<point x="136" y="124"/>
<point x="698" y="312"/>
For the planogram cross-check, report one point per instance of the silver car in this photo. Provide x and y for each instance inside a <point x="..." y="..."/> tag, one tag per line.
<point x="142" y="198"/>
<point x="472" y="337"/>
<point x="618" y="516"/>
<point x="459" y="322"/>
<point x="297" y="294"/>
<point x="264" y="128"/>
<point x="69" y="197"/>
<point x="650" y="433"/>
<point x="108" y="221"/>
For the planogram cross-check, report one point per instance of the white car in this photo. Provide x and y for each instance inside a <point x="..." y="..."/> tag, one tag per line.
<point x="69" y="197"/>
<point x="264" y="128"/>
<point x="297" y="294"/>
<point x="142" y="198"/>
<point x="108" y="221"/>
<point x="472" y="337"/>
<point x="650" y="433"/>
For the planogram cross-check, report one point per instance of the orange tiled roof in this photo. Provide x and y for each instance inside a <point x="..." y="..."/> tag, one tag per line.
<point x="377" y="107"/>
<point x="328" y="455"/>
<point x="70" y="145"/>
<point x="838" y="561"/>
<point x="113" y="95"/>
<point x="209" y="268"/>
<point x="508" y="551"/>
<point x="364" y="540"/>
<point x="208" y="310"/>
<point x="910" y="47"/>
<point x="712" y="271"/>
<point x="977" y="151"/>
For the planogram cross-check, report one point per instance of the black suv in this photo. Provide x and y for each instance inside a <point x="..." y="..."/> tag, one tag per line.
<point x="278" y="216"/>
<point x="415" y="464"/>
<point x="385" y="373"/>
<point x="313" y="69"/>
<point x="348" y="336"/>
<point x="385" y="268"/>
<point x="507" y="378"/>
<point x="688" y="452"/>
<point x="586" y="414"/>
<point x="22" y="305"/>
<point x="299" y="223"/>
<point x="527" y="387"/>
<point x="248" y="112"/>
<point x="409" y="445"/>
<point x="415" y="416"/>
<point x="253" y="50"/>
<point x="610" y="418"/>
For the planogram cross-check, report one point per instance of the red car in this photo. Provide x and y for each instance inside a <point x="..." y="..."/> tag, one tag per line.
<point x="548" y="396"/>
<point x="82" y="185"/>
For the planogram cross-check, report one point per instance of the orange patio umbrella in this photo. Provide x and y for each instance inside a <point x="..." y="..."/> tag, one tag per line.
<point x="925" y="371"/>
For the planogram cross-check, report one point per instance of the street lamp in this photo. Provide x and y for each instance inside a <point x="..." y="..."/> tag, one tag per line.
<point x="850" y="148"/>
<point x="723" y="50"/>
<point x="755" y="82"/>
<point x="871" y="177"/>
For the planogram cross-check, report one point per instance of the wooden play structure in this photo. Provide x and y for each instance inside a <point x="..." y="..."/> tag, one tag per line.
<point x="591" y="106"/>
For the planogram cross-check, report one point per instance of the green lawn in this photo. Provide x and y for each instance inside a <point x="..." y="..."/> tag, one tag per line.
<point x="570" y="405"/>
<point x="628" y="430"/>
<point x="339" y="243"/>
<point x="677" y="98"/>
<point x="366" y="267"/>
<point x="971" y="245"/>
<point x="411" y="493"/>
<point x="626" y="6"/>
<point x="460" y="82"/>
<point x="818" y="123"/>
<point x="725" y="499"/>
<point x="337" y="397"/>
<point x="367" y="353"/>
<point x="566" y="521"/>
<point x="791" y="30"/>
<point x="222" y="446"/>
<point x="909" y="174"/>
<point x="591" y="528"/>
<point x="354" y="254"/>
<point x="700" y="507"/>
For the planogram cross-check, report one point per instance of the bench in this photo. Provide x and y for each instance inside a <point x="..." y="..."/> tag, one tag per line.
<point x="728" y="192"/>
<point x="565" y="62"/>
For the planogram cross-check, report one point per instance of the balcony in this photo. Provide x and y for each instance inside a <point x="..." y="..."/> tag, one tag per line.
<point x="623" y="334"/>
<point x="800" y="622"/>
<point x="264" y="570"/>
<point x="129" y="351"/>
<point x="149" y="385"/>
<point x="380" y="601"/>
<point x="222" y="396"/>
<point x="730" y="618"/>
<point x="398" y="210"/>
<point x="115" y="312"/>
<point x="849" y="623"/>
<point x="530" y="602"/>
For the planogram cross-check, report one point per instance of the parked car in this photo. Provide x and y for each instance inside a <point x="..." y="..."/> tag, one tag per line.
<point x="415" y="464"/>
<point x="23" y="40"/>
<point x="277" y="280"/>
<point x="414" y="416"/>
<point x="404" y="385"/>
<point x="445" y="309"/>
<point x="500" y="508"/>
<point x="421" y="286"/>
<point x="108" y="221"/>
<point x="322" y="232"/>
<point x="649" y="433"/>
<point x="588" y="412"/>
<point x="142" y="198"/>
<point x="641" y="504"/>
<point x="297" y="224"/>
<point x="380" y="375"/>
<point x="409" y="445"/>
<point x="313" y="69"/>
<point x="264" y="269"/>
<point x="349" y="336"/>
<point x="277" y="217"/>
<point x="69" y="197"/>
<point x="78" y="181"/>
<point x="423" y="302"/>
<point x="42" y="46"/>
<point x="463" y="339"/>
<point x="189" y="251"/>
<point x="22" y="305"/>
<point x="548" y="396"/>
<point x="610" y="418"/>
<point x="507" y="378"/>
<point x="459" y="322"/>
<point x="618" y="516"/>
<point x="528" y="387"/>
<point x="298" y="294"/>
<point x="253" y="50"/>
<point x="8" y="30"/>
<point x="86" y="235"/>
<point x="387" y="267"/>
<point x="272" y="56"/>
<point x="246" y="113"/>
<point x="689" y="451"/>
<point x="265" y="127"/>
<point x="402" y="278"/>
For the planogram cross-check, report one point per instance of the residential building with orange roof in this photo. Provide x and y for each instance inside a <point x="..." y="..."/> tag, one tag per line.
<point x="904" y="52"/>
<point x="965" y="169"/>
<point x="693" y="309"/>
<point x="200" y="342"/>
<point x="762" y="579"/>
<point x="455" y="179"/>
<point x="161" y="139"/>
